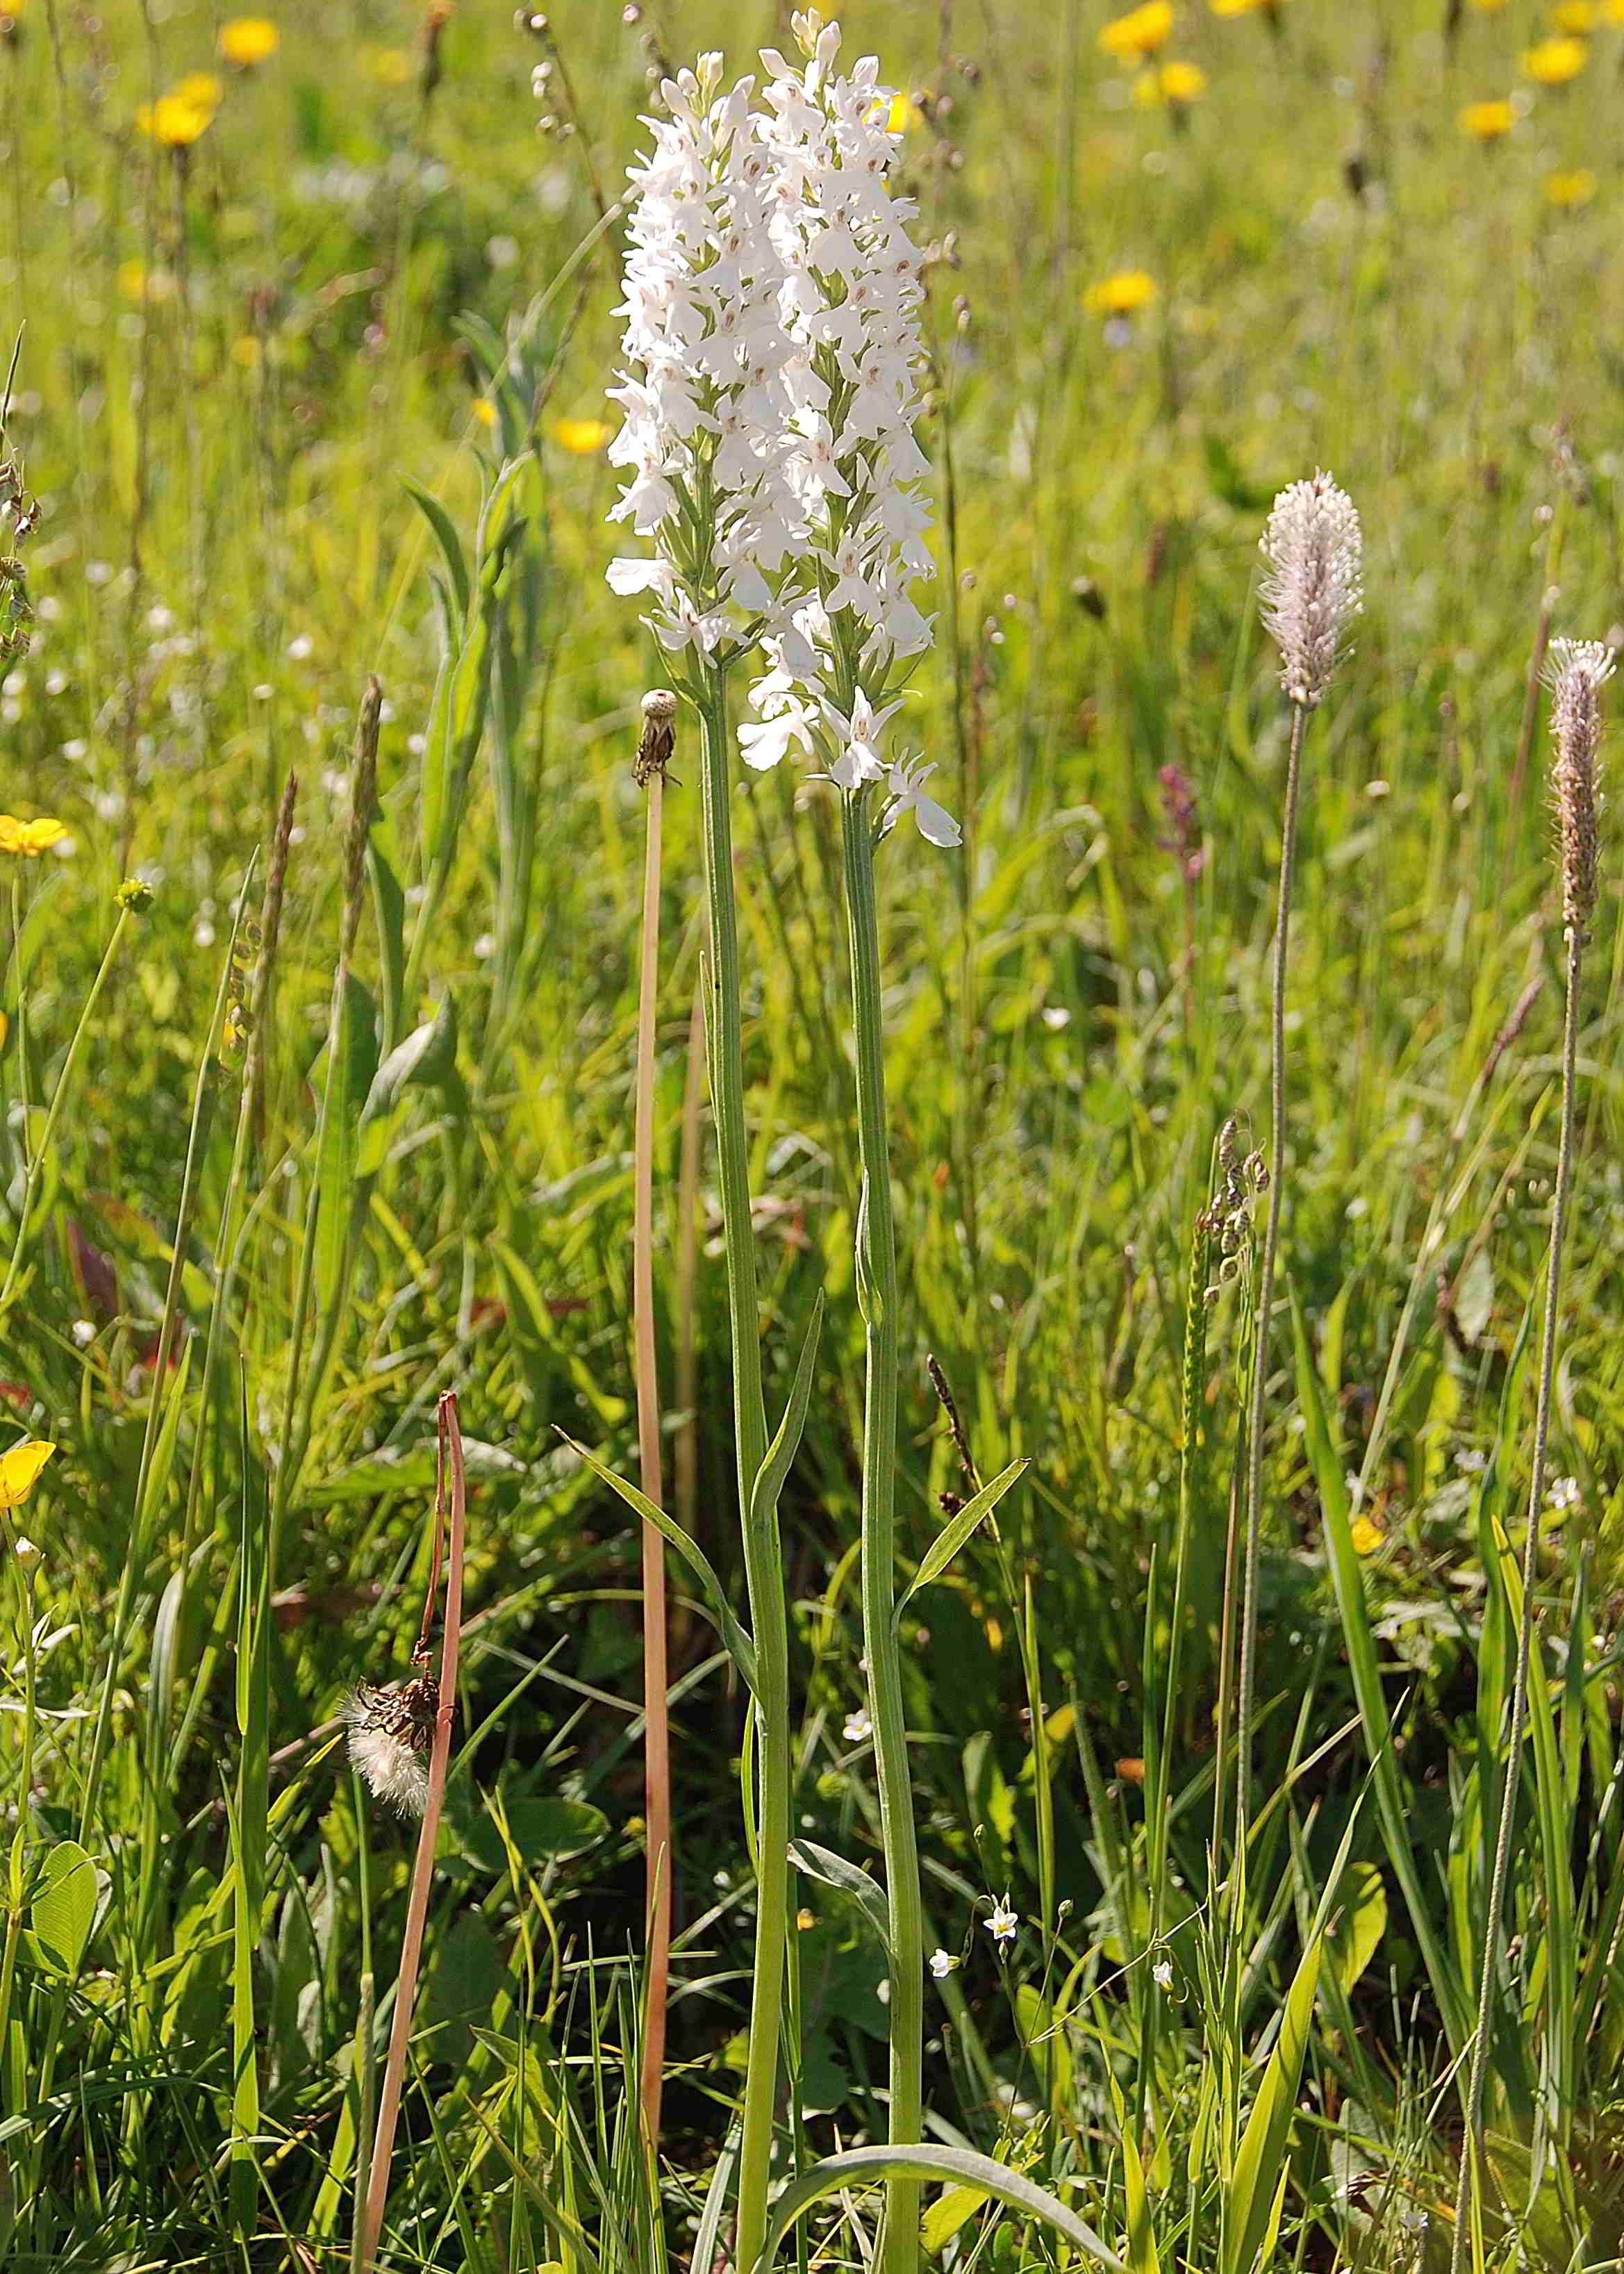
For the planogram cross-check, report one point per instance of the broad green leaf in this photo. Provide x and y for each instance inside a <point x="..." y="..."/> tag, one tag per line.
<point x="959" y="2166"/>
<point x="957" y="1529"/>
<point x="847" y="1879"/>
<point x="63" y="1909"/>
<point x="1361" y="1925"/>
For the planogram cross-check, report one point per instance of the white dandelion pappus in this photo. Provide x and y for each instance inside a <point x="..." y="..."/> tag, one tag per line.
<point x="390" y="1732"/>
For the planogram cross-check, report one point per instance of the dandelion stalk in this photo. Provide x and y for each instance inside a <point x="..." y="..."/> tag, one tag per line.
<point x="423" y="1869"/>
<point x="1312" y="544"/>
<point x="876" y="1286"/>
<point x="653" y="754"/>
<point x="1578" y="670"/>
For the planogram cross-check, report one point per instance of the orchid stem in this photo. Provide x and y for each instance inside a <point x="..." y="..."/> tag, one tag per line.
<point x="876" y="1281"/>
<point x="762" y="1561"/>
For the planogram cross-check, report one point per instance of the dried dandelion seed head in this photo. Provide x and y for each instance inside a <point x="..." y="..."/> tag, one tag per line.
<point x="1315" y="548"/>
<point x="390" y="1733"/>
<point x="657" y="740"/>
<point x="1575" y="671"/>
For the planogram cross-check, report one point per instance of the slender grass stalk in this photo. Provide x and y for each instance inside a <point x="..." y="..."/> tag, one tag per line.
<point x="652" y="756"/>
<point x="1578" y="671"/>
<point x="1253" y="1528"/>
<point x="422" y="1870"/>
<point x="876" y="1284"/>
<point x="132" y="898"/>
<point x="686" y="1450"/>
<point x="764" y="1567"/>
<point x="1315" y="547"/>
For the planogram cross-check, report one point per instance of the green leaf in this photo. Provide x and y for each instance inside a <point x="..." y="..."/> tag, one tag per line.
<point x="63" y="1909"/>
<point x="957" y="1529"/>
<point x="450" y="544"/>
<point x="1258" y="2177"/>
<point x="542" y="1831"/>
<point x="847" y="1879"/>
<point x="1348" y="1582"/>
<point x="1361" y="1924"/>
<point x="959" y="2166"/>
<point x="740" y="1648"/>
<point x="426" y="1059"/>
<point x="775" y="1464"/>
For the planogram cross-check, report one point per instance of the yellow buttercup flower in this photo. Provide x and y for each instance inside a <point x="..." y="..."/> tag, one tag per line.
<point x="201" y="88"/>
<point x="1553" y="62"/>
<point x="1367" y="1536"/>
<point x="30" y="837"/>
<point x="1132" y="37"/>
<point x="1123" y="294"/>
<point x="901" y="113"/>
<point x="584" y="437"/>
<point x="173" y="121"/>
<point x="1174" y="84"/>
<point x="483" y="410"/>
<point x="1486" y="122"/>
<point x="248" y="40"/>
<point x="187" y="112"/>
<point x="1243" y="7"/>
<point x="138" y="281"/>
<point x="1577" y="18"/>
<point x="1574" y="187"/>
<point x="20" y="1469"/>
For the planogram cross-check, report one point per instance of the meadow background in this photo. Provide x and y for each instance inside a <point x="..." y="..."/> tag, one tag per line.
<point x="277" y="349"/>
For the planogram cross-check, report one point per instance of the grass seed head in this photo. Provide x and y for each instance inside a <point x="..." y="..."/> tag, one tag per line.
<point x="1315" y="549"/>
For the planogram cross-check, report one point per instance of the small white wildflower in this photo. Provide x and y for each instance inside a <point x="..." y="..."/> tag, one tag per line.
<point x="1161" y="1973"/>
<point x="84" y="1332"/>
<point x="1315" y="547"/>
<point x="1003" y="1923"/>
<point x="1471" y="1460"/>
<point x="858" y="1727"/>
<point x="27" y="1551"/>
<point x="300" y="646"/>
<point x="1563" y="1492"/>
<point x="941" y="1964"/>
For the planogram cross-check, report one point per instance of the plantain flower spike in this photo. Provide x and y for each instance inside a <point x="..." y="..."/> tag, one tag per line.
<point x="1315" y="549"/>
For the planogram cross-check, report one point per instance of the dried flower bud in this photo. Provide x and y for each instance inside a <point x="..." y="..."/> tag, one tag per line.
<point x="1315" y="547"/>
<point x="1575" y="674"/>
<point x="659" y="708"/>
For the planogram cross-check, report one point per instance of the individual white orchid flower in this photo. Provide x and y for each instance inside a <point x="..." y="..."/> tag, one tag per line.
<point x="905" y="782"/>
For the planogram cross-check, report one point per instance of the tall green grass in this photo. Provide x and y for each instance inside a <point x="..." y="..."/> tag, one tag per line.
<point x="231" y="376"/>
